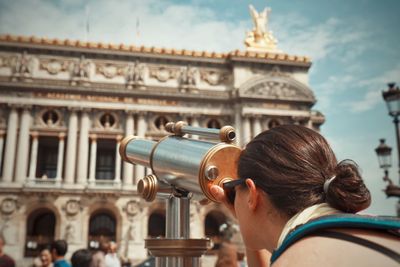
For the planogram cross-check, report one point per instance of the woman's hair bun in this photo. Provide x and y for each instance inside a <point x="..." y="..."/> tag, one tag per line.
<point x="347" y="192"/>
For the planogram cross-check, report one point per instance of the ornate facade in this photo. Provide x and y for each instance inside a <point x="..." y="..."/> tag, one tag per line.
<point x="65" y="105"/>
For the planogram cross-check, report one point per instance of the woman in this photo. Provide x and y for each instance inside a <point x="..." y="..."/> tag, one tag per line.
<point x="290" y="178"/>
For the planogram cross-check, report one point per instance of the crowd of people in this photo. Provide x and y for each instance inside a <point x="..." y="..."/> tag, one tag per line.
<point x="54" y="256"/>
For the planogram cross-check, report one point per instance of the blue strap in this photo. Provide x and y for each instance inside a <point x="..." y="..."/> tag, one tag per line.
<point x="337" y="221"/>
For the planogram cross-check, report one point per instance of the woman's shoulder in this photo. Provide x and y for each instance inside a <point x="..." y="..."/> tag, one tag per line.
<point x="338" y="249"/>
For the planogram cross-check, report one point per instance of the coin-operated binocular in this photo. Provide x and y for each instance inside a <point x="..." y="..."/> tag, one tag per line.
<point x="183" y="169"/>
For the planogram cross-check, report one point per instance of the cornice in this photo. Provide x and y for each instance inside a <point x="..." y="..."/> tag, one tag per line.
<point x="153" y="52"/>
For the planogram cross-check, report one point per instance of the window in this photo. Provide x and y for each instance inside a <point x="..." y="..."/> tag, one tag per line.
<point x="213" y="123"/>
<point x="107" y="120"/>
<point x="212" y="224"/>
<point x="105" y="159"/>
<point x="160" y="122"/>
<point x="40" y="231"/>
<point x="273" y="123"/>
<point x="156" y="225"/>
<point x="50" y="118"/>
<point x="47" y="157"/>
<point x="102" y="228"/>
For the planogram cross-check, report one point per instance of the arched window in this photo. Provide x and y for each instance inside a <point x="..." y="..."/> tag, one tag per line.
<point x="273" y="123"/>
<point x="107" y="120"/>
<point x="214" y="220"/>
<point x="156" y="225"/>
<point x="102" y="228"/>
<point x="160" y="122"/>
<point x="40" y="231"/>
<point x="214" y="123"/>
<point x="50" y="118"/>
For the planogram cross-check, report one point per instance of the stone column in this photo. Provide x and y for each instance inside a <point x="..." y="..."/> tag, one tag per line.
<point x="117" y="178"/>
<point x="93" y="155"/>
<point x="195" y="123"/>
<point x="83" y="155"/>
<point x="70" y="162"/>
<point x="238" y="125"/>
<point x="141" y="132"/>
<point x="34" y="151"/>
<point x="256" y="125"/>
<point x="128" y="167"/>
<point x="246" y="130"/>
<point x="310" y="123"/>
<point x="21" y="169"/>
<point x="1" y="146"/>
<point x="60" y="156"/>
<point x="9" y="160"/>
<point x="265" y="124"/>
<point x="9" y="153"/>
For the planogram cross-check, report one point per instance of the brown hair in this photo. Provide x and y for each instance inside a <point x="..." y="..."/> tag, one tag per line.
<point x="291" y="163"/>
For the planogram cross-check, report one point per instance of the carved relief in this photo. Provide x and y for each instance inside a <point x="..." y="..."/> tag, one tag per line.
<point x="274" y="89"/>
<point x="8" y="206"/>
<point x="133" y="209"/>
<point x="23" y="66"/>
<point x="188" y="77"/>
<point x="107" y="120"/>
<point x="69" y="235"/>
<point x="49" y="118"/>
<point x="81" y="71"/>
<point x="162" y="74"/>
<point x="5" y="61"/>
<point x="109" y="70"/>
<point x="134" y="75"/>
<point x="72" y="207"/>
<point x="54" y="66"/>
<point x="9" y="231"/>
<point x="213" y="77"/>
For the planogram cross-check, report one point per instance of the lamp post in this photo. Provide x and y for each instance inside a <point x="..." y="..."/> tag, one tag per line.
<point x="392" y="99"/>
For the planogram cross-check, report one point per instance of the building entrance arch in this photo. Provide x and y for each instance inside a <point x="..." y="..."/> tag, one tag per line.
<point x="40" y="231"/>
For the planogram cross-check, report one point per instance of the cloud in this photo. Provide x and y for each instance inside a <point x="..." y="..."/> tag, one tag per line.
<point x="373" y="94"/>
<point x="330" y="38"/>
<point x="161" y="23"/>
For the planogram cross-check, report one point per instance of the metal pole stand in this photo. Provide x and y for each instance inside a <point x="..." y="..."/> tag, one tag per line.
<point x="177" y="249"/>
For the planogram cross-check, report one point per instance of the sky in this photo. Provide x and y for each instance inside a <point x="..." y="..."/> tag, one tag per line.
<point x="354" y="46"/>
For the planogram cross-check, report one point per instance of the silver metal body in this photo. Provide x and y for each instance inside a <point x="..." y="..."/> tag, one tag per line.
<point x="177" y="161"/>
<point x="138" y="151"/>
<point x="182" y="169"/>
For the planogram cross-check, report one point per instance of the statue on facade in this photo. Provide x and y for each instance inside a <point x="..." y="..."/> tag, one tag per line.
<point x="81" y="71"/>
<point x="69" y="233"/>
<point x="23" y="66"/>
<point x="187" y="78"/>
<point x="135" y="75"/>
<point x="260" y="39"/>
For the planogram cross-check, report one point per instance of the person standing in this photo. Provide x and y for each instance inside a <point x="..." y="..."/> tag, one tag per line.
<point x="58" y="250"/>
<point x="5" y="260"/>
<point x="111" y="258"/>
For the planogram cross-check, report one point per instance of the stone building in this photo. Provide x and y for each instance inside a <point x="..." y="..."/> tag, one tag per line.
<point x="65" y="105"/>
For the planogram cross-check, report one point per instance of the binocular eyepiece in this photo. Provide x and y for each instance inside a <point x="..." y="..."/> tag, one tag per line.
<point x="181" y="165"/>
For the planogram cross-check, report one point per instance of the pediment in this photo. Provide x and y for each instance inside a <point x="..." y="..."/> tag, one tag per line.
<point x="276" y="87"/>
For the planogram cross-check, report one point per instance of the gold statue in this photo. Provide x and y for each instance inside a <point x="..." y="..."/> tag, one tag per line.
<point x="260" y="39"/>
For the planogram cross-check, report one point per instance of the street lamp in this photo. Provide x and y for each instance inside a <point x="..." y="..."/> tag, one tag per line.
<point x="392" y="99"/>
<point x="385" y="162"/>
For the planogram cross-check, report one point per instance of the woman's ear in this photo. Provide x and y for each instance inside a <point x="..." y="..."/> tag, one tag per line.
<point x="253" y="196"/>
